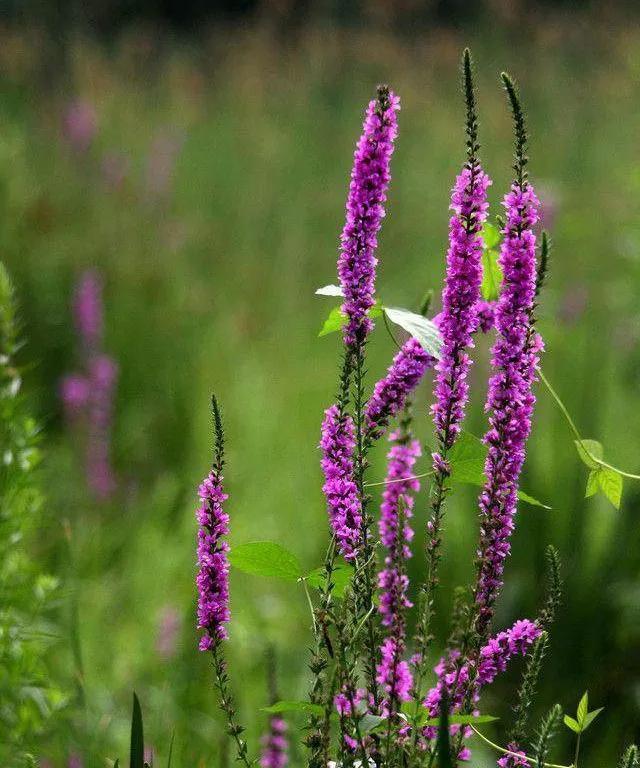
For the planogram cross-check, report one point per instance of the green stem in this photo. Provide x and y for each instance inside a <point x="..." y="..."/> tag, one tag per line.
<point x="516" y="754"/>
<point x="574" y="429"/>
<point x="400" y="479"/>
<point x="575" y="759"/>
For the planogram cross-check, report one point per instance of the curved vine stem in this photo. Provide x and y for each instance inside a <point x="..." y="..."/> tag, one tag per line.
<point x="574" y="429"/>
<point x="516" y="754"/>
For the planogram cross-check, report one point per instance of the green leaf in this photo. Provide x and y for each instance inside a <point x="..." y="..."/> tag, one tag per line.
<point x="491" y="276"/>
<point x="368" y="722"/>
<point x="334" y="322"/>
<point x="593" y="484"/>
<point x="591" y="716"/>
<point x="491" y="237"/>
<point x="571" y="724"/>
<point x="586" y="447"/>
<point x="611" y="485"/>
<point x="583" y="708"/>
<point x="330" y="290"/>
<point x="137" y="736"/>
<point x="116" y="764"/>
<point x="424" y="330"/>
<point x="294" y="706"/>
<point x="341" y="577"/>
<point x="266" y="558"/>
<point x="467" y="459"/>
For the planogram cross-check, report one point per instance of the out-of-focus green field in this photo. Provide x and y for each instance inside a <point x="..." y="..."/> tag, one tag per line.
<point x="209" y="286"/>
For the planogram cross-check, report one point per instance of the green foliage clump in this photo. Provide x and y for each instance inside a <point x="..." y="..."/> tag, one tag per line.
<point x="27" y="699"/>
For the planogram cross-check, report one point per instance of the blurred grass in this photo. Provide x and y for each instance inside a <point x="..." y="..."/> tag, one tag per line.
<point x="209" y="286"/>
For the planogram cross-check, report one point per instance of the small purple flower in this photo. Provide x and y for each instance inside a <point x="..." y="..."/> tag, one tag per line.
<point x="486" y="315"/>
<point x="365" y="210"/>
<point x="275" y="745"/>
<point x="390" y="393"/>
<point x="513" y="761"/>
<point x="459" y="317"/>
<point x="343" y="501"/>
<point x="103" y="372"/>
<point x="88" y="308"/>
<point x="80" y="124"/>
<point x="75" y="761"/>
<point x="510" y="399"/>
<point x="213" y="563"/>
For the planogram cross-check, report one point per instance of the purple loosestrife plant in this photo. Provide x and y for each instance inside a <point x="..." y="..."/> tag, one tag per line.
<point x="390" y="393"/>
<point x="510" y="399"/>
<point x="457" y="323"/>
<point x="365" y="210"/>
<point x="340" y="490"/>
<point x="394" y="675"/>
<point x="370" y="702"/>
<point x="213" y="580"/>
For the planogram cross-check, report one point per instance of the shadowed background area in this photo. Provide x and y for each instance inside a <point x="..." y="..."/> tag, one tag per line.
<point x="197" y="157"/>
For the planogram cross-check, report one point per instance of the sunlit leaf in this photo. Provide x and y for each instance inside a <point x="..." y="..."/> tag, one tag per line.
<point x="330" y="290"/>
<point x="590" y="717"/>
<point x="491" y="237"/>
<point x="586" y="447"/>
<point x="583" y="708"/>
<point x="266" y="558"/>
<point x="294" y="706"/>
<point x="368" y="722"/>
<point x="334" y="322"/>
<point x="424" y="330"/>
<point x="611" y="485"/>
<point x="491" y="276"/>
<point x="593" y="484"/>
<point x="571" y="724"/>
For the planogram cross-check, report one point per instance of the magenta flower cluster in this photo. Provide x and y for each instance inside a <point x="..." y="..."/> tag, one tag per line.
<point x="341" y="492"/>
<point x="510" y="399"/>
<point x="390" y="393"/>
<point x="275" y="745"/>
<point x="213" y="564"/>
<point x="493" y="660"/>
<point x="393" y="673"/>
<point x="365" y="210"/>
<point x="458" y="320"/>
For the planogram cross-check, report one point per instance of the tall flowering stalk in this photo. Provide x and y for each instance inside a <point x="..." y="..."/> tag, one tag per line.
<point x="510" y="399"/>
<point x="370" y="178"/>
<point x="213" y="579"/>
<point x="458" y="322"/>
<point x="88" y="396"/>
<point x="394" y="675"/>
<point x="391" y="392"/>
<point x="275" y="746"/>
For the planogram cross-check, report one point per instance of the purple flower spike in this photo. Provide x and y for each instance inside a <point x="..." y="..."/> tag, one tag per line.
<point x="393" y="674"/>
<point x="88" y="308"/>
<point x="513" y="761"/>
<point x="343" y="502"/>
<point x="365" y="210"/>
<point x="213" y="573"/>
<point x="510" y="399"/>
<point x="390" y="394"/>
<point x="458" y="320"/>
<point x="275" y="745"/>
<point x="492" y="660"/>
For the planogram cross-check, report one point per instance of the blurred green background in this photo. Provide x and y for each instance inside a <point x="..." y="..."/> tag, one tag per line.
<point x="209" y="193"/>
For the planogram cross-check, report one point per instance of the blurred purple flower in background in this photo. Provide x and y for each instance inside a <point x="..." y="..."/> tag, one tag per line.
<point x="75" y="761"/>
<point x="115" y="169"/>
<point x="168" y="631"/>
<point x="88" y="396"/>
<point x="79" y="125"/>
<point x="573" y="303"/>
<point x="161" y="161"/>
